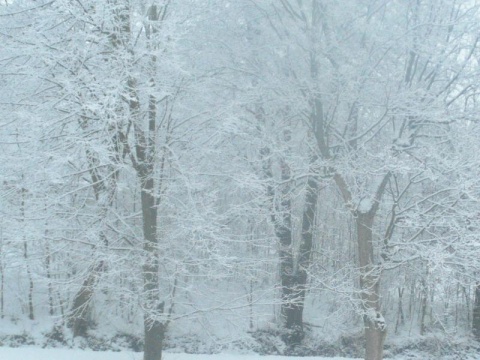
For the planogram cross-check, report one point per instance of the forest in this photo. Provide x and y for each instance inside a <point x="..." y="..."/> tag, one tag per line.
<point x="287" y="177"/>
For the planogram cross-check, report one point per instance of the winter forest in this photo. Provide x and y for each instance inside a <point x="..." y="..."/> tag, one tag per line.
<point x="289" y="177"/>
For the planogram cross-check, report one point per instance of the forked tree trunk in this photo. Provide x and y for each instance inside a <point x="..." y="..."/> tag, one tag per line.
<point x="145" y="150"/>
<point x="145" y="146"/>
<point x="293" y="272"/>
<point x="375" y="328"/>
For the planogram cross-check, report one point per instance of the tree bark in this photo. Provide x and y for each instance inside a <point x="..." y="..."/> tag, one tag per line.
<point x="154" y="328"/>
<point x="31" y="314"/>
<point x="283" y="230"/>
<point x="145" y="150"/>
<point x="293" y="272"/>
<point x="375" y="329"/>
<point x="146" y="156"/>
<point x="80" y="313"/>
<point x="400" y="314"/>
<point x="476" y="313"/>
<point x="2" y="277"/>
<point x="291" y="309"/>
<point x="423" y="309"/>
<point x="79" y="319"/>
<point x="375" y="338"/>
<point x="300" y="276"/>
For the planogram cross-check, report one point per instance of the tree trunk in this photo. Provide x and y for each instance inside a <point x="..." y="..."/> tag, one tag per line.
<point x="299" y="278"/>
<point x="48" y="260"/>
<point x="2" y="276"/>
<point x="79" y="319"/>
<point x="80" y="313"/>
<point x="154" y="328"/>
<point x="146" y="156"/>
<point x="423" y="309"/>
<point x="400" y="314"/>
<point x="293" y="274"/>
<point x="292" y="306"/>
<point x="476" y="313"/>
<point x="31" y="315"/>
<point x="290" y="311"/>
<point x="283" y="230"/>
<point x="154" y="335"/>
<point x="375" y="329"/>
<point x="294" y="281"/>
<point x="145" y="147"/>
<point x="2" y="294"/>
<point x="375" y="338"/>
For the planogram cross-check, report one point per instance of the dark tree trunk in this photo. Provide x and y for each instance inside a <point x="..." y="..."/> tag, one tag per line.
<point x="144" y="164"/>
<point x="298" y="285"/>
<point x="293" y="274"/>
<point x="146" y="157"/>
<point x="154" y="328"/>
<point x="292" y="289"/>
<point x="291" y="306"/>
<point x="283" y="231"/>
<point x="146" y="154"/>
<point x="154" y="335"/>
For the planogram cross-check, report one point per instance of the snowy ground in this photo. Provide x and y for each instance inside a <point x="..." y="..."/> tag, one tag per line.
<point x="31" y="353"/>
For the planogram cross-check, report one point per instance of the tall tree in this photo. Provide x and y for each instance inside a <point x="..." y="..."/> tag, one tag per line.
<point x="369" y="112"/>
